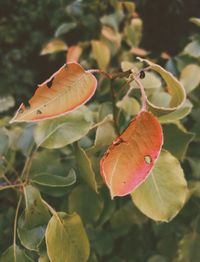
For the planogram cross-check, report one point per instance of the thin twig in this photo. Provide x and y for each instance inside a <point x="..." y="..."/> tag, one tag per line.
<point x="15" y="228"/>
<point x="11" y="186"/>
<point x="143" y="94"/>
<point x="114" y="108"/>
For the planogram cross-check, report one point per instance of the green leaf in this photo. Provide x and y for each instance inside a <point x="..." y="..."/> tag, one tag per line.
<point x="176" y="140"/>
<point x="190" y="77"/>
<point x="66" y="239"/>
<point x="195" y="166"/>
<point x="8" y="255"/>
<point x="177" y="114"/>
<point x="193" y="49"/>
<point x="78" y="202"/>
<point x="85" y="167"/>
<point x="4" y="141"/>
<point x="174" y="87"/>
<point x="129" y="105"/>
<point x="36" y="213"/>
<point x="157" y="258"/>
<point x="109" y="207"/>
<point x="64" y="28"/>
<point x="53" y="184"/>
<point x="6" y="102"/>
<point x="125" y="217"/>
<point x="188" y="249"/>
<point x="101" y="53"/>
<point x="30" y="237"/>
<point x="133" y="32"/>
<point x="105" y="134"/>
<point x="59" y="132"/>
<point x="164" y="192"/>
<point x="25" y="141"/>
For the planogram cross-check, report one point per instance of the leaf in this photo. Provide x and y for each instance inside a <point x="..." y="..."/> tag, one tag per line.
<point x="8" y="255"/>
<point x="130" y="105"/>
<point x="133" y="32"/>
<point x="25" y="141"/>
<point x="73" y="54"/>
<point x="64" y="28"/>
<point x="30" y="237"/>
<point x="36" y="213"/>
<point x="6" y="102"/>
<point x="64" y="130"/>
<point x="111" y="35"/>
<point x="125" y="217"/>
<point x="151" y="80"/>
<point x="193" y="49"/>
<point x="53" y="46"/>
<point x="188" y="249"/>
<point x="101" y="53"/>
<point x="139" y="51"/>
<point x="157" y="258"/>
<point x="177" y="114"/>
<point x="164" y="192"/>
<point x="4" y="142"/>
<point x="174" y="88"/>
<point x="190" y="77"/>
<point x="67" y="89"/>
<point x="66" y="239"/>
<point x="195" y="20"/>
<point x="105" y="134"/>
<point x="85" y="167"/>
<point x="78" y="202"/>
<point x="53" y="184"/>
<point x="176" y="140"/>
<point x="132" y="154"/>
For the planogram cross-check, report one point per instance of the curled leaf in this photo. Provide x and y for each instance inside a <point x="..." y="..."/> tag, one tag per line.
<point x="132" y="155"/>
<point x="67" y="89"/>
<point x="174" y="88"/>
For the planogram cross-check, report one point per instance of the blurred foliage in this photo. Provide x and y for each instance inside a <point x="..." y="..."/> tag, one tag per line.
<point x="110" y="35"/>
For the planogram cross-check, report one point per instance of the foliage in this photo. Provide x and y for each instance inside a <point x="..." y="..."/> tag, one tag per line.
<point x="50" y="177"/>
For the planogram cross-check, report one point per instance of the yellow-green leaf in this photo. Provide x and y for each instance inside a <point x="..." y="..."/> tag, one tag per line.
<point x="190" y="77"/>
<point x="164" y="192"/>
<point x="101" y="53"/>
<point x="66" y="239"/>
<point x="85" y="167"/>
<point x="174" y="88"/>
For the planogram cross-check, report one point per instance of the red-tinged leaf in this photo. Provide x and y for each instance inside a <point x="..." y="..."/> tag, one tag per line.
<point x="73" y="54"/>
<point x="67" y="89"/>
<point x="132" y="155"/>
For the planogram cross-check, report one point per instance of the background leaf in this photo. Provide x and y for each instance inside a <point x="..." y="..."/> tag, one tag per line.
<point x="52" y="133"/>
<point x="164" y="192"/>
<point x="66" y="239"/>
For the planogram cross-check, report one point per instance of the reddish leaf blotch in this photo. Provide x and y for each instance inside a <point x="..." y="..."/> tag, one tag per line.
<point x="130" y="158"/>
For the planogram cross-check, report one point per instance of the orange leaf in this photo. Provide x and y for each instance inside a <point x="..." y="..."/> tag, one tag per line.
<point x="67" y="89"/>
<point x="130" y="158"/>
<point x="73" y="54"/>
